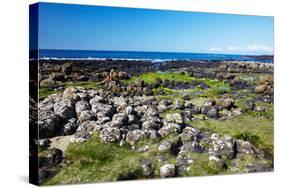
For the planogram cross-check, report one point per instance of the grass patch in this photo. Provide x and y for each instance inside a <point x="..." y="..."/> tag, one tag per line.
<point x="259" y="131"/>
<point x="93" y="161"/>
<point x="202" y="166"/>
<point x="150" y="77"/>
<point x="216" y="87"/>
<point x="45" y="92"/>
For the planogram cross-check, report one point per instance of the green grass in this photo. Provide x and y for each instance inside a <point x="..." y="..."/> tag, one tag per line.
<point x="216" y="87"/>
<point x="258" y="131"/>
<point x="150" y="77"/>
<point x="93" y="161"/>
<point x="170" y="111"/>
<point x="202" y="166"/>
<point x="45" y="92"/>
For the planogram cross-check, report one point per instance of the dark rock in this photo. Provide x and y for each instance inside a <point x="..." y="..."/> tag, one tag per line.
<point x="49" y="125"/>
<point x="192" y="147"/>
<point x="44" y="143"/>
<point x="213" y="113"/>
<point x="57" y="76"/>
<point x="66" y="68"/>
<point x="50" y="157"/>
<point x="250" y="105"/>
<point x="47" y="83"/>
<point x="70" y="127"/>
<point x="83" y="78"/>
<point x="147" y="168"/>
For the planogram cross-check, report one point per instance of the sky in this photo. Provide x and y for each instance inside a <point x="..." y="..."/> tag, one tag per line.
<point x="80" y="27"/>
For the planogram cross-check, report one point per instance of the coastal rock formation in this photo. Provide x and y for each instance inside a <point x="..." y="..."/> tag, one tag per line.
<point x="169" y="123"/>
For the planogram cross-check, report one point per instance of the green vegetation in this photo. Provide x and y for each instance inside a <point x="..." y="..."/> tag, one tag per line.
<point x="202" y="166"/>
<point x="216" y="87"/>
<point x="259" y="131"/>
<point x="45" y="92"/>
<point x="93" y="161"/>
<point x="150" y="77"/>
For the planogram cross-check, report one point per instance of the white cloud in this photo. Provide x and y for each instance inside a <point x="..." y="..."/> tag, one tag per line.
<point x="233" y="48"/>
<point x="255" y="47"/>
<point x="215" y="49"/>
<point x="252" y="48"/>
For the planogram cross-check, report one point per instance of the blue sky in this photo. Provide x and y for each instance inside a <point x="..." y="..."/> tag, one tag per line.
<point x="63" y="26"/>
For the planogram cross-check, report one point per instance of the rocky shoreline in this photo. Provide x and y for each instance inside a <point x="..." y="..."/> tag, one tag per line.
<point x="154" y="111"/>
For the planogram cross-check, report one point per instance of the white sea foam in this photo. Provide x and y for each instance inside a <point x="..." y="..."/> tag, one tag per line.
<point x="114" y="59"/>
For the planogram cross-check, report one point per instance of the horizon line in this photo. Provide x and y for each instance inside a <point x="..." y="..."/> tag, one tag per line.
<point x="157" y="51"/>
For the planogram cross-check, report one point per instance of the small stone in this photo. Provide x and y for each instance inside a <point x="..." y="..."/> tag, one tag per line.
<point x="146" y="167"/>
<point x="213" y="113"/>
<point x="165" y="147"/>
<point x="167" y="170"/>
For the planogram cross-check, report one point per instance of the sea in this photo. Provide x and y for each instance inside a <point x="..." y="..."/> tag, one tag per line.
<point x="138" y="55"/>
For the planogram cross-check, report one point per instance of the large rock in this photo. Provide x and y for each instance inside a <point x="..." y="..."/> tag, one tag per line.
<point x="192" y="147"/>
<point x="119" y="120"/>
<point x="47" y="83"/>
<point x="102" y="110"/>
<point x="97" y="99"/>
<point x="165" y="147"/>
<point x="134" y="136"/>
<point x="88" y="126"/>
<point x="167" y="170"/>
<point x="150" y="124"/>
<point x="64" y="109"/>
<point x="245" y="147"/>
<point x="267" y="80"/>
<point x="227" y="103"/>
<point x="71" y="127"/>
<point x="49" y="124"/>
<point x="50" y="157"/>
<point x="189" y="134"/>
<point x="213" y="113"/>
<point x="262" y="89"/>
<point x="81" y="106"/>
<point x="223" y="146"/>
<point x="169" y="129"/>
<point x="174" y="118"/>
<point x="110" y="134"/>
<point x="183" y="161"/>
<point x="86" y="115"/>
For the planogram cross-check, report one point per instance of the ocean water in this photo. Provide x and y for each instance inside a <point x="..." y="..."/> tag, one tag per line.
<point x="133" y="55"/>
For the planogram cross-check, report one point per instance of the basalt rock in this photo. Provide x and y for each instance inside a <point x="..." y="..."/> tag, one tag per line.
<point x="168" y="170"/>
